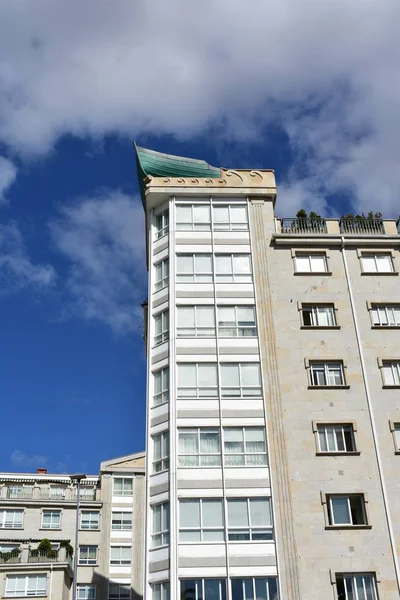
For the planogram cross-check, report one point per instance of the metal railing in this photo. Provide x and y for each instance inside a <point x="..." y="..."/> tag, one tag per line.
<point x="19" y="493"/>
<point x="42" y="556"/>
<point x="363" y="226"/>
<point x="10" y="557"/>
<point x="296" y="225"/>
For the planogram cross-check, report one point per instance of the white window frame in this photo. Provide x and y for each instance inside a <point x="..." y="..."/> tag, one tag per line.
<point x="163" y="281"/>
<point x="125" y="524"/>
<point x="84" y="591"/>
<point x="161" y="463"/>
<point x="241" y="391"/>
<point x="391" y="373"/>
<point x="396" y="432"/>
<point x="245" y="455"/>
<point x="92" y="519"/>
<point x="335" y="433"/>
<point x="11" y="523"/>
<point x="123" y="492"/>
<point x="196" y="390"/>
<point x="195" y="275"/>
<point x="117" y="557"/>
<point x="271" y="594"/>
<point x="311" y="264"/>
<point x="163" y="319"/>
<point x="253" y="531"/>
<point x="121" y="586"/>
<point x="374" y="256"/>
<point x="201" y="458"/>
<point x="316" y="311"/>
<point x="200" y="586"/>
<point x="86" y="560"/>
<point x="234" y="275"/>
<point x="160" y="590"/>
<point x="351" y="579"/>
<point x="160" y="538"/>
<point x="328" y="368"/>
<point x="163" y="396"/>
<point x="235" y="328"/>
<point x="162" y="227"/>
<point x="39" y="591"/>
<point x="55" y="519"/>
<point x="347" y="498"/>
<point x="230" y="225"/>
<point x="201" y="530"/>
<point x="193" y="224"/>
<point x="384" y="315"/>
<point x="197" y="330"/>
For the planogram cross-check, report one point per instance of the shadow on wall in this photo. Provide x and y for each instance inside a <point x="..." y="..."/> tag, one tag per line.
<point x="102" y="585"/>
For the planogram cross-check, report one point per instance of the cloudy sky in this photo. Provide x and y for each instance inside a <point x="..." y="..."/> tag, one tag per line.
<point x="309" y="89"/>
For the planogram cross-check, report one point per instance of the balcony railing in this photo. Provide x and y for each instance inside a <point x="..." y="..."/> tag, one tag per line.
<point x="293" y="226"/>
<point x="43" y="556"/>
<point x="362" y="226"/>
<point x="11" y="557"/>
<point x="20" y="493"/>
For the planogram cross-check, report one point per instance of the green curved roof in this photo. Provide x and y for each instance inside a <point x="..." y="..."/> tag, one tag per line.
<point x="159" y="164"/>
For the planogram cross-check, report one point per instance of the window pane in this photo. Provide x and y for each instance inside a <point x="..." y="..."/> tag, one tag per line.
<point x="238" y="214"/>
<point x="185" y="316"/>
<point x="368" y="262"/>
<point x="245" y="315"/>
<point x="255" y="441"/>
<point x="260" y="514"/>
<point x="187" y="375"/>
<point x="184" y="264"/>
<point x="223" y="264"/>
<point x="205" y="316"/>
<point x="207" y="375"/>
<point x="318" y="262"/>
<point x="203" y="263"/>
<point x="250" y="374"/>
<point x="340" y="510"/>
<point x="230" y="375"/>
<point x="221" y="214"/>
<point x="241" y="263"/>
<point x="201" y="214"/>
<point x="212" y="513"/>
<point x="384" y="263"/>
<point x="302" y="263"/>
<point x="237" y="513"/>
<point x="183" y="214"/>
<point x="209" y="442"/>
<point x="189" y="513"/>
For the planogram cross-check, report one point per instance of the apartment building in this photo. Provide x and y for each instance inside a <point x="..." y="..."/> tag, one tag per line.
<point x="37" y="533"/>
<point x="273" y="429"/>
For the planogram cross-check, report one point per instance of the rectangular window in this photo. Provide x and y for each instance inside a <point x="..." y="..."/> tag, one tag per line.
<point x="197" y="380"/>
<point x="377" y="263"/>
<point x="391" y="372"/>
<point x="194" y="268"/>
<point x="161" y="452"/>
<point x="193" y="217"/>
<point x="160" y="591"/>
<point x="318" y="315"/>
<point x="336" y="438"/>
<point x="397" y="435"/>
<point x="249" y="519"/>
<point x="161" y="386"/>
<point x="161" y="327"/>
<point x="230" y="217"/>
<point x="195" y="321"/>
<point x="120" y="555"/>
<point x="90" y="519"/>
<point x="255" y="588"/>
<point x="327" y="374"/>
<point x="160" y="525"/>
<point x="356" y="586"/>
<point x="199" y="447"/>
<point x="86" y="591"/>
<point x="119" y="591"/>
<point x="123" y="486"/>
<point x="121" y="521"/>
<point x="201" y="520"/>
<point x="311" y="263"/>
<point x="233" y="268"/>
<point x="162" y="222"/>
<point x="51" y="519"/>
<point x="87" y="555"/>
<point x="240" y="380"/>
<point x="237" y="321"/>
<point x="26" y="585"/>
<point x="385" y="315"/>
<point x="346" y="510"/>
<point x="11" y="519"/>
<point x="245" y="446"/>
<point x="161" y="274"/>
<point x="203" y="589"/>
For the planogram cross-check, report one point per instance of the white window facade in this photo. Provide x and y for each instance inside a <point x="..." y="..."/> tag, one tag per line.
<point x="161" y="386"/>
<point x="90" y="519"/>
<point x="195" y="321"/>
<point x="86" y="591"/>
<point x="161" y="452"/>
<point x="311" y="263"/>
<point x="161" y="327"/>
<point x="11" y="519"/>
<point x="391" y="372"/>
<point x="203" y="589"/>
<point x="160" y="524"/>
<point x="233" y="268"/>
<point x="201" y="520"/>
<point x="240" y="380"/>
<point x="120" y="555"/>
<point x="197" y="380"/>
<point x="161" y="274"/>
<point x="123" y="486"/>
<point x="237" y="321"/>
<point x="162" y="224"/>
<point x="385" y="315"/>
<point x="249" y="519"/>
<point x="377" y="263"/>
<point x="245" y="446"/>
<point x="327" y="374"/>
<point x="26" y="585"/>
<point x="356" y="586"/>
<point x="346" y="510"/>
<point x="121" y="520"/>
<point x="254" y="588"/>
<point x="318" y="315"/>
<point x="160" y="591"/>
<point x="230" y="217"/>
<point x="119" y="591"/>
<point x="87" y="555"/>
<point x="194" y="268"/>
<point x="51" y="519"/>
<point x="193" y="217"/>
<point x="336" y="438"/>
<point x="199" y="447"/>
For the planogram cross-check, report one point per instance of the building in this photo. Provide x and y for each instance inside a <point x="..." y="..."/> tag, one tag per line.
<point x="273" y="382"/>
<point x="40" y="506"/>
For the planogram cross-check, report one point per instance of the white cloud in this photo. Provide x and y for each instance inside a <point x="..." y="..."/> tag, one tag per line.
<point x="102" y="239"/>
<point x="32" y="461"/>
<point x="8" y="174"/>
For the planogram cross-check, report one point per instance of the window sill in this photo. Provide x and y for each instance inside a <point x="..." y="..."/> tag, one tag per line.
<point x="85" y="565"/>
<point x="49" y="528"/>
<point x="341" y="453"/>
<point x="397" y="452"/>
<point x="159" y="472"/>
<point x="390" y="387"/>
<point x="329" y="387"/>
<point x="380" y="273"/>
<point x="385" y="326"/>
<point x="312" y="273"/>
<point x="320" y="327"/>
<point x="97" y="529"/>
<point x="340" y="527"/>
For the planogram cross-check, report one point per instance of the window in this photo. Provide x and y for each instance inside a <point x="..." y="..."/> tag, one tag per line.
<point x="230" y="217"/>
<point x="397" y="435"/>
<point x="162" y="222"/>
<point x="245" y="446"/>
<point x="120" y="555"/>
<point x="203" y="589"/>
<point x="318" y="315"/>
<point x="86" y="591"/>
<point x="197" y="380"/>
<point x="327" y="374"/>
<point x="233" y="268"/>
<point x="391" y="372"/>
<point x="160" y="533"/>
<point x="160" y="591"/>
<point x="240" y="379"/>
<point x="249" y="519"/>
<point x="26" y="585"/>
<point x="194" y="268"/>
<point x="121" y="520"/>
<point x="5" y="548"/>
<point x="237" y="321"/>
<point x="385" y="315"/>
<point x="346" y="510"/>
<point x="51" y="519"/>
<point x="161" y="327"/>
<point x="123" y="486"/>
<point x="193" y="217"/>
<point x="90" y="519"/>
<point x="356" y="586"/>
<point x="119" y="591"/>
<point x="161" y="386"/>
<point x="336" y="438"/>
<point x="162" y="274"/>
<point x="377" y="263"/>
<point x="87" y="555"/>
<point x="255" y="588"/>
<point x="11" y="519"/>
<point x="195" y="321"/>
<point x="199" y="447"/>
<point x="201" y="521"/>
<point x="161" y="452"/>
<point x="311" y="263"/>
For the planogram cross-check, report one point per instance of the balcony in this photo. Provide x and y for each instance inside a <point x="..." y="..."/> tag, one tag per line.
<point x="361" y="226"/>
<point x="298" y="226"/>
<point x="347" y="226"/>
<point x="23" y="493"/>
<point x="39" y="494"/>
<point x="25" y="556"/>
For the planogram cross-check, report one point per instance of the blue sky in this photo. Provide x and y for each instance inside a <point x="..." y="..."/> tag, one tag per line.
<point x="311" y="91"/>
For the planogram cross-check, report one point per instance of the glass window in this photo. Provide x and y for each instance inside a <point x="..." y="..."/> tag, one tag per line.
<point x="254" y="588"/>
<point x="195" y="321"/>
<point x="336" y="438"/>
<point x="86" y="591"/>
<point x="160" y="529"/>
<point x="233" y="268"/>
<point x="193" y="217"/>
<point x="121" y="520"/>
<point x="161" y="452"/>
<point x="391" y="372"/>
<point x="203" y="589"/>
<point x="310" y="263"/>
<point x="347" y="510"/>
<point x="245" y="446"/>
<point x="377" y="263"/>
<point x="161" y="274"/>
<point x="237" y="321"/>
<point x="201" y="520"/>
<point x="51" y="519"/>
<point x="87" y="555"/>
<point x="161" y="327"/>
<point x="160" y="591"/>
<point x="249" y="519"/>
<point x="11" y="519"/>
<point x="397" y="435"/>
<point x="194" y="268"/>
<point x="197" y="380"/>
<point x="327" y="374"/>
<point x="120" y="555"/>
<point x="240" y="379"/>
<point x="385" y="315"/>
<point x="161" y="386"/>
<point x="119" y="591"/>
<point x="90" y="519"/>
<point x="123" y="486"/>
<point x="162" y="222"/>
<point x="199" y="447"/>
<point x="318" y="316"/>
<point x="356" y="586"/>
<point x="230" y="217"/>
<point x="26" y="585"/>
